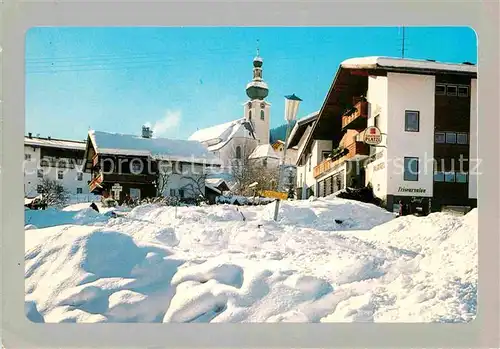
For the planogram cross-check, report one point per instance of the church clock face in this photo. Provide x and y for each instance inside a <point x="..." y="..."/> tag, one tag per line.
<point x="262" y="105"/>
<point x="249" y="104"/>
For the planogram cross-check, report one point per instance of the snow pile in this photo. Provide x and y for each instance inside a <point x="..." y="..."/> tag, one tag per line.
<point x="324" y="261"/>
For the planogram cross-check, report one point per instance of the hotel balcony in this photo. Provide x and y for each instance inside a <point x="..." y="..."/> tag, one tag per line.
<point x="356" y="117"/>
<point x="355" y="151"/>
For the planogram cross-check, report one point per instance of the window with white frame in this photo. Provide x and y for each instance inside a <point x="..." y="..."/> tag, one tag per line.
<point x="438" y="176"/>
<point x="462" y="138"/>
<point x="376" y="121"/>
<point x="440" y="89"/>
<point x="79" y="190"/>
<point x="27" y="157"/>
<point x="449" y="176"/>
<point x="412" y="121"/>
<point x="79" y="176"/>
<point x="39" y="173"/>
<point x="461" y="177"/>
<point x="440" y="137"/>
<point x="60" y="174"/>
<point x="451" y="90"/>
<point x="463" y="91"/>
<point x="411" y="169"/>
<point x="451" y="137"/>
<point x="438" y="170"/>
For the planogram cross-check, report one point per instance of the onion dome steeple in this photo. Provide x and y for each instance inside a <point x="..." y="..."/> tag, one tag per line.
<point x="257" y="88"/>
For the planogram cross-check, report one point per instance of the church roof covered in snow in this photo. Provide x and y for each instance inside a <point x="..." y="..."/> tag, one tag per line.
<point x="157" y="148"/>
<point x="217" y="136"/>
<point x="264" y="151"/>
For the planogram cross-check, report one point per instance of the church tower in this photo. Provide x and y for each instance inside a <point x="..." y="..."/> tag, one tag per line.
<point x="257" y="109"/>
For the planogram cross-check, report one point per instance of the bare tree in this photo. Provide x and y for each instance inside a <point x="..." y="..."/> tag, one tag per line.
<point x="267" y="178"/>
<point x="53" y="193"/>
<point x="196" y="185"/>
<point x="241" y="165"/>
<point x="163" y="177"/>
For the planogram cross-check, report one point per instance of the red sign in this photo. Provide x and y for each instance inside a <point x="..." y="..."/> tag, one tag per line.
<point x="372" y="136"/>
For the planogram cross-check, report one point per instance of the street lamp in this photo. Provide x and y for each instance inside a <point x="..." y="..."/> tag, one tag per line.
<point x="292" y="103"/>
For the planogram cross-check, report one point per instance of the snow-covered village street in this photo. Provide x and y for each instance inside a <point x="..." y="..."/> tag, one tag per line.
<point x="325" y="260"/>
<point x="294" y="179"/>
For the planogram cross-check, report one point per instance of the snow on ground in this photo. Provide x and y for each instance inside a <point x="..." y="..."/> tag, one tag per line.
<point x="327" y="260"/>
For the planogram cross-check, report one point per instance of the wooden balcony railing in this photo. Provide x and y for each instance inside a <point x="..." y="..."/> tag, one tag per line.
<point x="354" y="149"/>
<point x="358" y="118"/>
<point x="95" y="182"/>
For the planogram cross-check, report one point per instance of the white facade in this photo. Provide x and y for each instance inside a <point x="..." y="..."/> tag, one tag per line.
<point x="389" y="97"/>
<point x="305" y="173"/>
<point x="69" y="173"/>
<point x="291" y="153"/>
<point x="190" y="182"/>
<point x="258" y="113"/>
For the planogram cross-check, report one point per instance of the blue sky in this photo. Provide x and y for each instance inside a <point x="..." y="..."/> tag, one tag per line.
<point x="182" y="79"/>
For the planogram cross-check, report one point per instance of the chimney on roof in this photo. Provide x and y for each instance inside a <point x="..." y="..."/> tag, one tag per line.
<point x="146" y="132"/>
<point x="48" y="138"/>
<point x="30" y="135"/>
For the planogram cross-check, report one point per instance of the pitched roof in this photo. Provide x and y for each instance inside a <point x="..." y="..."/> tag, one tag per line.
<point x="217" y="136"/>
<point x="299" y="128"/>
<point x="264" y="151"/>
<point x="157" y="148"/>
<point x="54" y="143"/>
<point x="391" y="62"/>
<point x="372" y="63"/>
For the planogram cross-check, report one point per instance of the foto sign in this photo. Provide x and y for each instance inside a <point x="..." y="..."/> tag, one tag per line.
<point x="372" y="136"/>
<point x="274" y="194"/>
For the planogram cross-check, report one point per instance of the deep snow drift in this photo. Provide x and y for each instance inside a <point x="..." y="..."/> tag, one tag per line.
<point x="328" y="260"/>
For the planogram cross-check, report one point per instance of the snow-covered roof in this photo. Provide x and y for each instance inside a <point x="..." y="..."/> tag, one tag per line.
<point x="390" y="62"/>
<point x="157" y="148"/>
<point x="264" y="151"/>
<point x="215" y="182"/>
<point x="211" y="187"/>
<point x="217" y="136"/>
<point x="54" y="143"/>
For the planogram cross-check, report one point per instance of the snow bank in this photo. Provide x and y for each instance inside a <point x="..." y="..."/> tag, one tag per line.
<point x="329" y="260"/>
<point x="52" y="217"/>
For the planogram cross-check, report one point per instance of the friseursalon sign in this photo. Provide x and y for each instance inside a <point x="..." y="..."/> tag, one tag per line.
<point x="412" y="190"/>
